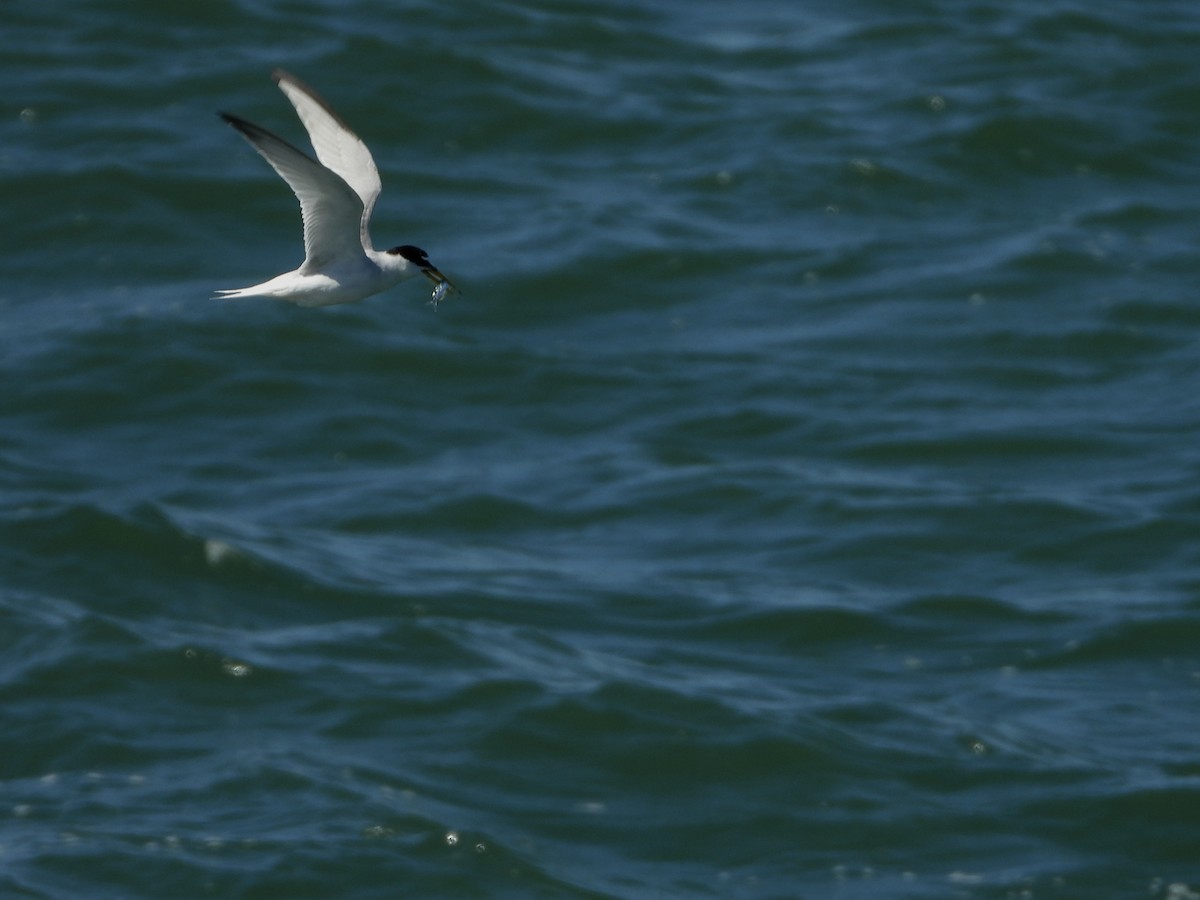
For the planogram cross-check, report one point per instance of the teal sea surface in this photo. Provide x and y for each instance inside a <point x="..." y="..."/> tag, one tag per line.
<point x="800" y="500"/>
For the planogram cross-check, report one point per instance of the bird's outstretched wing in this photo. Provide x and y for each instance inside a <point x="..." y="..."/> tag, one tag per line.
<point x="332" y="211"/>
<point x="338" y="148"/>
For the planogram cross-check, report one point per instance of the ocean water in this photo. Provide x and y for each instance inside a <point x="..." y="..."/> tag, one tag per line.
<point x="801" y="499"/>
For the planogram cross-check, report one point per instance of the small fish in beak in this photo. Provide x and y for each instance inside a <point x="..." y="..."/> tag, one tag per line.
<point x="442" y="285"/>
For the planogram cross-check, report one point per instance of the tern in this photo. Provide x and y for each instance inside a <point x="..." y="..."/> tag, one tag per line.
<point x="337" y="192"/>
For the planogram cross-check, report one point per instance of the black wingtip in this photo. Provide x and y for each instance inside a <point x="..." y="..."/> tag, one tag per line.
<point x="238" y="123"/>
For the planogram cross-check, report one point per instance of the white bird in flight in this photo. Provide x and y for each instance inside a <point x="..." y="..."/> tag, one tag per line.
<point x="336" y="197"/>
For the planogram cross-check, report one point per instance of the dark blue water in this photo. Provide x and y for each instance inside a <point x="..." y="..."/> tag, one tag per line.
<point x="800" y="500"/>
